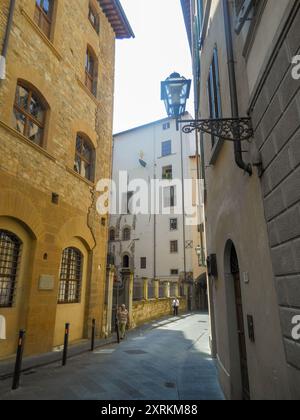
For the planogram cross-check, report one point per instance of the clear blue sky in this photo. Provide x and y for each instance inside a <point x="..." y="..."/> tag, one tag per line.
<point x="160" y="48"/>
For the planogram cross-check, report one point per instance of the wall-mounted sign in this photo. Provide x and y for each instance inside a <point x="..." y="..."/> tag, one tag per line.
<point x="46" y="282"/>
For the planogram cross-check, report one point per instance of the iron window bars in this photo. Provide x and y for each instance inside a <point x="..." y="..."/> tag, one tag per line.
<point x="10" y="250"/>
<point x="70" y="276"/>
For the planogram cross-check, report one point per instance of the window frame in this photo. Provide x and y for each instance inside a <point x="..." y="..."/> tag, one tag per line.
<point x="173" y="248"/>
<point x="173" y="229"/>
<point x="112" y="234"/>
<point x="85" y="140"/>
<point x="41" y="17"/>
<point x="126" y="238"/>
<point x="91" y="78"/>
<point x="143" y="263"/>
<point x="10" y="284"/>
<point x="167" y="170"/>
<point x="66" y="296"/>
<point x="214" y="92"/>
<point x="92" y="11"/>
<point x="170" y="200"/>
<point x="25" y="112"/>
<point x="164" y="143"/>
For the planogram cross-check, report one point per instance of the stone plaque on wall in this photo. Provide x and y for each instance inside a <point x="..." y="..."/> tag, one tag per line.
<point x="46" y="282"/>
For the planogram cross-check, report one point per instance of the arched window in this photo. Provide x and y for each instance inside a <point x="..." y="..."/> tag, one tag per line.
<point x="91" y="71"/>
<point x="70" y="276"/>
<point x="84" y="157"/>
<point x="29" y="113"/>
<point x="10" y="247"/>
<point x="126" y="261"/>
<point x="112" y="235"/>
<point x="126" y="234"/>
<point x="43" y="15"/>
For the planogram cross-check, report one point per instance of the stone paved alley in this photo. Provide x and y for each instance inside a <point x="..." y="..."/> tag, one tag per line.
<point x="167" y="360"/>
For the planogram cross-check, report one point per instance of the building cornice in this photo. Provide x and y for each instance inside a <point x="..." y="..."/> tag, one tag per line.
<point x="117" y="18"/>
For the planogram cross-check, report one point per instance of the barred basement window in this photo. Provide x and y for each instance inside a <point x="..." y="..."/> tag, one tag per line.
<point x="10" y="246"/>
<point x="70" y="276"/>
<point x="43" y="15"/>
<point x="29" y="113"/>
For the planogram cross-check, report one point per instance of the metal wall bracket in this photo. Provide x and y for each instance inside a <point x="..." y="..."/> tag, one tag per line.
<point x="228" y="129"/>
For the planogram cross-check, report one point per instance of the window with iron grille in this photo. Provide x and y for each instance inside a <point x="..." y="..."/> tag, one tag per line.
<point x="173" y="224"/>
<point x="70" y="276"/>
<point x="143" y="263"/>
<point x="10" y="248"/>
<point x="174" y="247"/>
<point x="43" y="15"/>
<point x="174" y="272"/>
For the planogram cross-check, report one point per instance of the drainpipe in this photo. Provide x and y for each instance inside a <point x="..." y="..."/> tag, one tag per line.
<point x="233" y="88"/>
<point x="6" y="40"/>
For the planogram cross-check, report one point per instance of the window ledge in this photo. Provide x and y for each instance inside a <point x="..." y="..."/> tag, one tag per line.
<point x="41" y="34"/>
<point x="72" y="172"/>
<point x="26" y="140"/>
<point x="82" y="85"/>
<point x="162" y="157"/>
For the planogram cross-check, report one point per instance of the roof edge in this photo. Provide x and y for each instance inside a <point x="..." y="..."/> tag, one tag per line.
<point x="116" y="16"/>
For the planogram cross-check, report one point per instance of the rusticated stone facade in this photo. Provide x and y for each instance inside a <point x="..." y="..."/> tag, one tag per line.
<point x="276" y="117"/>
<point x="30" y="174"/>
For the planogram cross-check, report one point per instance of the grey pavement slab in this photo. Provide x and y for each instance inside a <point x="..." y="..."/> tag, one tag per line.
<point x="167" y="360"/>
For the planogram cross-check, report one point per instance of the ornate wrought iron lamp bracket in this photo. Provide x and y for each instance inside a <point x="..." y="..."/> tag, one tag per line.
<point x="228" y="129"/>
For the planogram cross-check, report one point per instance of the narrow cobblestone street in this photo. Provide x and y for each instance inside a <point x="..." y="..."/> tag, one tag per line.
<point x="167" y="360"/>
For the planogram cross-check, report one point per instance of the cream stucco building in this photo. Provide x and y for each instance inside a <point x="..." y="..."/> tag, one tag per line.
<point x="155" y="247"/>
<point x="242" y="56"/>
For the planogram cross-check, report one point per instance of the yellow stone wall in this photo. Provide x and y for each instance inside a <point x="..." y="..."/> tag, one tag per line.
<point x="148" y="310"/>
<point x="30" y="174"/>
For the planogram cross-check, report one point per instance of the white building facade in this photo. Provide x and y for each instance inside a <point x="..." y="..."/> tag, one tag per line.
<point x="154" y="246"/>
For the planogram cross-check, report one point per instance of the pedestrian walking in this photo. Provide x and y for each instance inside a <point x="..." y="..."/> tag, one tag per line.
<point x="175" y="306"/>
<point x="123" y="318"/>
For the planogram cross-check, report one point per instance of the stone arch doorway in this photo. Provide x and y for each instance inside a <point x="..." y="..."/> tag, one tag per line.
<point x="237" y="339"/>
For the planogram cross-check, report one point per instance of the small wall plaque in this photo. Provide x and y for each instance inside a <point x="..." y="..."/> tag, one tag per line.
<point x="46" y="282"/>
